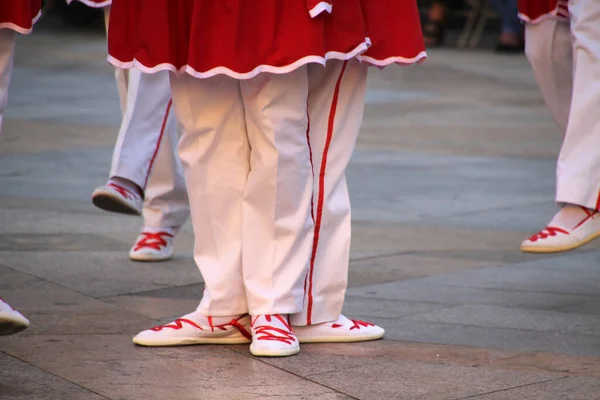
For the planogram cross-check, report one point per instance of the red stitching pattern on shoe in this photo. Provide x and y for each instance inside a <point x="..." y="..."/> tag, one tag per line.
<point x="336" y="325"/>
<point x="358" y="324"/>
<point x="128" y="194"/>
<point x="545" y="233"/>
<point x="267" y="332"/>
<point x="152" y="240"/>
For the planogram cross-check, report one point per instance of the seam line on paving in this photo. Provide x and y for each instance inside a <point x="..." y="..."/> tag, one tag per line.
<point x="293" y="373"/>
<point x="510" y="388"/>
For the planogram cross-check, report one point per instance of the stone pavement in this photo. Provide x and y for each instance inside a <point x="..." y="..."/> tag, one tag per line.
<point x="455" y="166"/>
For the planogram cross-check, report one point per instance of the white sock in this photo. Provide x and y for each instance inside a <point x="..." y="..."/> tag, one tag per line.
<point x="570" y="216"/>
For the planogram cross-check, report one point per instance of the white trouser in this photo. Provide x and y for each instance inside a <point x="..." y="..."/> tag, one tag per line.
<point x="336" y="103"/>
<point x="549" y="51"/>
<point x="578" y="169"/>
<point x="249" y="177"/>
<point x="145" y="152"/>
<point x="7" y="51"/>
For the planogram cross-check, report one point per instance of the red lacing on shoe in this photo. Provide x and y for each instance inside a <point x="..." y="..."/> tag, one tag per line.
<point x="178" y="324"/>
<point x="549" y="231"/>
<point x="356" y="324"/>
<point x="152" y="240"/>
<point x="590" y="215"/>
<point x="267" y="332"/>
<point x="126" y="193"/>
<point x="240" y="327"/>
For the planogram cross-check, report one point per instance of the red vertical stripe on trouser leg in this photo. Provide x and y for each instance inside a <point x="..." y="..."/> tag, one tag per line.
<point x="320" y="201"/>
<point x="162" y="132"/>
<point x="312" y="168"/>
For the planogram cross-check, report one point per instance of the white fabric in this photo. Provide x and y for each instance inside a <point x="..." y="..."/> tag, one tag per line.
<point x="7" y="51"/>
<point x="549" y="51"/>
<point x="578" y="169"/>
<point x="326" y="285"/>
<point x="250" y="208"/>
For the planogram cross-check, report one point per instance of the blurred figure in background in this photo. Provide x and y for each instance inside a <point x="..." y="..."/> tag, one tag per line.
<point x="510" y="39"/>
<point x="511" y="31"/>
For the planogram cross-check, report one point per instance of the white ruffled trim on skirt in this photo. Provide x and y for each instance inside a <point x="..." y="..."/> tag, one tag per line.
<point x="332" y="55"/>
<point x="319" y="8"/>
<point x="419" y="58"/>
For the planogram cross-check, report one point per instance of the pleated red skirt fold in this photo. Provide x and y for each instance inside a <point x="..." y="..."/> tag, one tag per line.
<point x="19" y="15"/>
<point x="536" y="11"/>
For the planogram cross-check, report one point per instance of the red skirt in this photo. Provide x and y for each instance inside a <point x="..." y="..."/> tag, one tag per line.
<point x="93" y="3"/>
<point x="536" y="11"/>
<point x="242" y="39"/>
<point x="19" y="15"/>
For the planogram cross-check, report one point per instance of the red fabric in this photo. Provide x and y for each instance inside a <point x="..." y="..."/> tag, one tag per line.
<point x="19" y="15"/>
<point x="241" y="35"/>
<point x="394" y="28"/>
<point x="539" y="10"/>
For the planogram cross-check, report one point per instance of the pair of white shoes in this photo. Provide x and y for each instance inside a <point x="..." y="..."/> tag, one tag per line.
<point x="269" y="335"/>
<point x="11" y="321"/>
<point x="151" y="244"/>
<point x="556" y="238"/>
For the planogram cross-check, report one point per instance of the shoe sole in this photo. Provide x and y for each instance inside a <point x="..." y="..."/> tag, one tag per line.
<point x="274" y="353"/>
<point x="190" y="342"/>
<point x="109" y="202"/>
<point x="541" y="249"/>
<point x="146" y="258"/>
<point x="10" y="328"/>
<point x="340" y="339"/>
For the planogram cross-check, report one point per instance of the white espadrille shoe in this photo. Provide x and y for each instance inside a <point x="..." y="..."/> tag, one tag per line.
<point x="11" y="321"/>
<point x="342" y="330"/>
<point x="153" y="246"/>
<point x="116" y="198"/>
<point x="195" y="329"/>
<point x="554" y="239"/>
<point x="272" y="336"/>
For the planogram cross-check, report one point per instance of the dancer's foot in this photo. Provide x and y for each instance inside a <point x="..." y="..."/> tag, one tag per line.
<point x="120" y="196"/>
<point x="571" y="227"/>
<point x="272" y="336"/>
<point x="342" y="330"/>
<point x="196" y="329"/>
<point x="11" y="321"/>
<point x="153" y="245"/>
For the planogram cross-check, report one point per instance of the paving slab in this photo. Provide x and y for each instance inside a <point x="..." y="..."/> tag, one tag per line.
<point x="99" y="274"/>
<point x="22" y="381"/>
